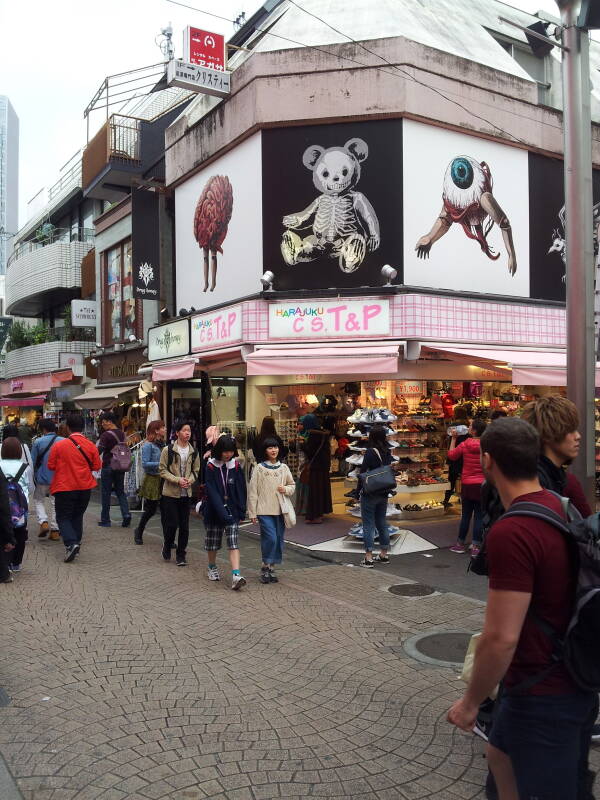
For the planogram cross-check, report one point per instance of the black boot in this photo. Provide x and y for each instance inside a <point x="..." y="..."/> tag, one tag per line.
<point x="137" y="536"/>
<point x="447" y="497"/>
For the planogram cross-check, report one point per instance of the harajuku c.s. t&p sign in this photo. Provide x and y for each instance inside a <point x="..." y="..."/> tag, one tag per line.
<point x="329" y="319"/>
<point x="217" y="329"/>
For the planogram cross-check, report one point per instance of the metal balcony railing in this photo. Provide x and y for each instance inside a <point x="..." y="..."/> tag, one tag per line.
<point x="49" y="235"/>
<point x="117" y="140"/>
<point x="70" y="178"/>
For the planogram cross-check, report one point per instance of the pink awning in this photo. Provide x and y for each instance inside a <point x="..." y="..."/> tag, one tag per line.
<point x="517" y="358"/>
<point x="534" y="376"/>
<point x="23" y="402"/>
<point x="174" y="371"/>
<point x="350" y="359"/>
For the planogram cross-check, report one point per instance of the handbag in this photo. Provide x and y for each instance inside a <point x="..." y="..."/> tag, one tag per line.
<point x="379" y="480"/>
<point x="286" y="506"/>
<point x="304" y="476"/>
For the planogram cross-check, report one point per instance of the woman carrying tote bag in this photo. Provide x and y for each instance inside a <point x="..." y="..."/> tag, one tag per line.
<point x="373" y="505"/>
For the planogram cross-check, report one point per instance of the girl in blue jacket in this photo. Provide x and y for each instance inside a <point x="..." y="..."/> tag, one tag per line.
<point x="224" y="508"/>
<point x="150" y="488"/>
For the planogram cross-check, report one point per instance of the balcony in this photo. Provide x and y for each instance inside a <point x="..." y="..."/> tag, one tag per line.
<point x="38" y="358"/>
<point x="123" y="148"/>
<point x="46" y="272"/>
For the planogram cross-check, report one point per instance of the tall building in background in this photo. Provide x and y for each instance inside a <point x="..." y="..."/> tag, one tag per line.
<point x="9" y="179"/>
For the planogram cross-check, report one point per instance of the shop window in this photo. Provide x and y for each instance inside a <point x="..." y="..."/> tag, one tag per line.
<point x="121" y="312"/>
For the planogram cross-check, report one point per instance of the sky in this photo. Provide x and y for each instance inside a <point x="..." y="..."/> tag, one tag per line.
<point x="54" y="57"/>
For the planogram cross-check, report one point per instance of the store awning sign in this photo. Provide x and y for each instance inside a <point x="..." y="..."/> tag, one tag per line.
<point x="324" y="319"/>
<point x="217" y="329"/>
<point x="83" y="313"/>
<point x="169" y="341"/>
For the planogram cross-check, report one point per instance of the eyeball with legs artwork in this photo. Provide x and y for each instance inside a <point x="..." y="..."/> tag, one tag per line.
<point x="468" y="199"/>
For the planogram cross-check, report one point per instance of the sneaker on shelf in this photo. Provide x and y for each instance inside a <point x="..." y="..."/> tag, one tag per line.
<point x="44" y="528"/>
<point x="458" y="548"/>
<point x="213" y="574"/>
<point x="366" y="563"/>
<point x="354" y="433"/>
<point x="237" y="581"/>
<point x="71" y="552"/>
<point x="353" y="474"/>
<point x="355" y="459"/>
<point x="356" y="416"/>
<point x="355" y="448"/>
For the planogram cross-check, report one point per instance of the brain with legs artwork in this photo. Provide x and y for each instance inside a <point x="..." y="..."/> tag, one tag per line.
<point x="342" y="222"/>
<point x="468" y="199"/>
<point x="211" y="222"/>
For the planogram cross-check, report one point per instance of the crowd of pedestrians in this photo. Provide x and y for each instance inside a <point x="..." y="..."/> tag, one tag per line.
<point x="516" y="492"/>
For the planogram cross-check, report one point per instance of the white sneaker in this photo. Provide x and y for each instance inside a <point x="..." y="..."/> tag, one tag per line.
<point x="237" y="581"/>
<point x="213" y="574"/>
<point x="355" y="459"/>
<point x="353" y="473"/>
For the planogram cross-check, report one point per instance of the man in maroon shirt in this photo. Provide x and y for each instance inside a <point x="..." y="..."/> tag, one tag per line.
<point x="540" y="738"/>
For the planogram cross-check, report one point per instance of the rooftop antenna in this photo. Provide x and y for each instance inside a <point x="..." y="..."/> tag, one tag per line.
<point x="164" y="42"/>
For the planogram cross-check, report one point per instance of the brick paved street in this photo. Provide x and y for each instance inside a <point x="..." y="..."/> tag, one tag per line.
<point x="131" y="678"/>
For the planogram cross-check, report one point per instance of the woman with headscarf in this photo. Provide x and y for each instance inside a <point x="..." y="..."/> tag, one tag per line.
<point x="315" y="472"/>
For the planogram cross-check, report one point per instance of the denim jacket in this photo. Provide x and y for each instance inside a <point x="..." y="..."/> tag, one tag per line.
<point x="151" y="457"/>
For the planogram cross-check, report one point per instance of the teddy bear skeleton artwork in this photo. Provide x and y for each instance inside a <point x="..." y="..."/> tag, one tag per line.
<point x="468" y="198"/>
<point x="344" y="224"/>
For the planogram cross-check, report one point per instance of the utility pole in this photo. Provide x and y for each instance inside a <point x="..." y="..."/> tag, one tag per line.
<point x="581" y="356"/>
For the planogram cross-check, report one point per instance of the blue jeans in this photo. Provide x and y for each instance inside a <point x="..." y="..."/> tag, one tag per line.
<point x="113" y="481"/>
<point x="547" y="738"/>
<point x="372" y="511"/>
<point x="272" y="531"/>
<point x="471" y="508"/>
<point x="70" y="508"/>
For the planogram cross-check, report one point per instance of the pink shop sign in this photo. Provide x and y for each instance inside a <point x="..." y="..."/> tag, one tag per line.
<point x="217" y="329"/>
<point x="328" y="319"/>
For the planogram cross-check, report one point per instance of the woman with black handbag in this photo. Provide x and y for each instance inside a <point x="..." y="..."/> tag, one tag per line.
<point x="376" y="470"/>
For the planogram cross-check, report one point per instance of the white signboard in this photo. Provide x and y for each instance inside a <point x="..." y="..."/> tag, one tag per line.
<point x="324" y="319"/>
<point x="83" y="313"/>
<point x="169" y="341"/>
<point x="69" y="360"/>
<point x="216" y="329"/>
<point x="198" y="79"/>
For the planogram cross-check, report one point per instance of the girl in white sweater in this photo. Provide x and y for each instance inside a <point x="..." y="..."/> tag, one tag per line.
<point x="268" y="479"/>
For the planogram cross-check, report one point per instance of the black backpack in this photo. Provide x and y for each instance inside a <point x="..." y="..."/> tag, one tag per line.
<point x="579" y="648"/>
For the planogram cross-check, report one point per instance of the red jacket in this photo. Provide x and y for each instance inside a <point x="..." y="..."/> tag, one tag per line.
<point x="470" y="451"/>
<point x="71" y="470"/>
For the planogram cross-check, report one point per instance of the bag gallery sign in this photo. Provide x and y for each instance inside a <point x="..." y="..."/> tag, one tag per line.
<point x="330" y="319"/>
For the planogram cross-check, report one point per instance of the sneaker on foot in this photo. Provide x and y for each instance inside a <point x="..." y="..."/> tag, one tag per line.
<point x="72" y="551"/>
<point x="213" y="574"/>
<point x="166" y="553"/>
<point x="181" y="562"/>
<point x="54" y="535"/>
<point x="44" y="528"/>
<point x="381" y="559"/>
<point x="366" y="563"/>
<point x="237" y="581"/>
<point x="10" y="579"/>
<point x="137" y="537"/>
<point x="272" y="577"/>
<point x="104" y="524"/>
<point x="265" y="576"/>
<point x="595" y="732"/>
<point x="126" y="522"/>
<point x="15" y="567"/>
<point x="475" y="550"/>
<point x="458" y="548"/>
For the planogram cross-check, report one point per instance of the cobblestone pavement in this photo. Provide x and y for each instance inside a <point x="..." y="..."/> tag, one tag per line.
<point x="131" y="678"/>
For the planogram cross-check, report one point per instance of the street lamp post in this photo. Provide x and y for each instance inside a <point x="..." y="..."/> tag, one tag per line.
<point x="581" y="358"/>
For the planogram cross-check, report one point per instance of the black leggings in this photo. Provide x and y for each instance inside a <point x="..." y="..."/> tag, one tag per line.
<point x="150" y="508"/>
<point x="16" y="556"/>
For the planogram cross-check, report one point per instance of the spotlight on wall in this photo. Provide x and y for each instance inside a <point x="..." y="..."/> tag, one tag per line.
<point x="267" y="281"/>
<point x="133" y="338"/>
<point x="389" y="273"/>
<point x="164" y="313"/>
<point x="94" y="362"/>
<point x="183" y="312"/>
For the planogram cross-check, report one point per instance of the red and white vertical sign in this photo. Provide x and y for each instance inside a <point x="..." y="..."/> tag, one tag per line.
<point x="204" y="48"/>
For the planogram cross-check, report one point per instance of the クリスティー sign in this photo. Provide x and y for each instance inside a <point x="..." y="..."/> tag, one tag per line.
<point x="169" y="341"/>
<point x="323" y="319"/>
<point x="204" y="80"/>
<point x="217" y="329"/>
<point x="83" y="313"/>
